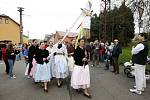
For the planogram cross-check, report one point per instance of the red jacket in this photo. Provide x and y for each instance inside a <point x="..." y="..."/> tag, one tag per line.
<point x="4" y="53"/>
<point x="102" y="51"/>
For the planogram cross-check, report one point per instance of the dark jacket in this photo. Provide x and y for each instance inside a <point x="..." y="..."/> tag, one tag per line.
<point x="117" y="50"/>
<point x="79" y="54"/>
<point x="31" y="52"/>
<point x="40" y="54"/>
<point x="10" y="55"/>
<point x="70" y="48"/>
<point x="141" y="57"/>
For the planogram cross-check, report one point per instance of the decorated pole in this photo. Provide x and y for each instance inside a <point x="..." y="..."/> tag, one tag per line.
<point x="86" y="23"/>
<point x="87" y="20"/>
<point x="71" y="27"/>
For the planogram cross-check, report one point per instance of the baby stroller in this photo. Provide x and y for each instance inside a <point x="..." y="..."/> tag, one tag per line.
<point x="129" y="69"/>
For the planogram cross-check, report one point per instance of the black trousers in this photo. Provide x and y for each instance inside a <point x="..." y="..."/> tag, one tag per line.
<point x="30" y="66"/>
<point x="7" y="66"/>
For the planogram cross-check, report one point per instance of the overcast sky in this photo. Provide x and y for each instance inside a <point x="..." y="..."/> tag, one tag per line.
<point x="45" y="16"/>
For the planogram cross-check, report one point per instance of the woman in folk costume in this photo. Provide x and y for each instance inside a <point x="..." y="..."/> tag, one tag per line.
<point x="51" y="57"/>
<point x="61" y="69"/>
<point x="42" y="70"/>
<point x="70" y="50"/>
<point x="80" y="78"/>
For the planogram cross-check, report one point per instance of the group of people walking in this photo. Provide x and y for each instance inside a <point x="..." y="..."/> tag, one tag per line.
<point x="59" y="61"/>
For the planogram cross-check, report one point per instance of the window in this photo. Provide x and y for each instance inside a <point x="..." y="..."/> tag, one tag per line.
<point x="0" y="20"/>
<point x="6" y="21"/>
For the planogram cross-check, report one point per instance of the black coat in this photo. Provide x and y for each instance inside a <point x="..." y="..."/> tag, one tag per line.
<point x="117" y="50"/>
<point x="79" y="54"/>
<point x="40" y="54"/>
<point x="31" y="52"/>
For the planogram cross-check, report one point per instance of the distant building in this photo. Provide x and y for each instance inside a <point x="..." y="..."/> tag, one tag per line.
<point x="60" y="34"/>
<point x="9" y="29"/>
<point x="49" y="37"/>
<point x="25" y="39"/>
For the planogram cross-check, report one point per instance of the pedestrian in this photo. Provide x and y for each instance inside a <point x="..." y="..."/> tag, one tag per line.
<point x="96" y="53"/>
<point x="10" y="53"/>
<point x="4" y="57"/>
<point x="108" y="54"/>
<point x="51" y="58"/>
<point x="31" y="53"/>
<point x="140" y="53"/>
<point x="115" y="55"/>
<point x="80" y="78"/>
<point x="0" y="52"/>
<point x="101" y="52"/>
<point x="89" y="49"/>
<point x="46" y="44"/>
<point x="92" y="51"/>
<point x="25" y="53"/>
<point x="60" y="70"/>
<point x="70" y="50"/>
<point x="42" y="69"/>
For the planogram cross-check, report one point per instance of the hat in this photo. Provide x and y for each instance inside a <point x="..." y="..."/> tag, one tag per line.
<point x="115" y="40"/>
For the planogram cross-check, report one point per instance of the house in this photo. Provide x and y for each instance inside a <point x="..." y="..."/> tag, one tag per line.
<point x="60" y="34"/>
<point x="49" y="37"/>
<point x="9" y="29"/>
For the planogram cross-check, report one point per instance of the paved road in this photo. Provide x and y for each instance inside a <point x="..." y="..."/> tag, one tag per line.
<point x="104" y="86"/>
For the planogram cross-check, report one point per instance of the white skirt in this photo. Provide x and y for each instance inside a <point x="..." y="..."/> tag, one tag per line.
<point x="70" y="63"/>
<point x="42" y="73"/>
<point x="52" y="66"/>
<point x="80" y="77"/>
<point x="60" y="70"/>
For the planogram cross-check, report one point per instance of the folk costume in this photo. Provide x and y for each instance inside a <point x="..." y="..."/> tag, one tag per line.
<point x="42" y="69"/>
<point x="60" y="53"/>
<point x="80" y="76"/>
<point x="51" y="61"/>
<point x="71" y="49"/>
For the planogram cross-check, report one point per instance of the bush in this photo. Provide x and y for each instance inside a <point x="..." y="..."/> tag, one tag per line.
<point x="126" y="53"/>
<point x="125" y="56"/>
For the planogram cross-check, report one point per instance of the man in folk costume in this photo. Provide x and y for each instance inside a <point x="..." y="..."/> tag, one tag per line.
<point x="80" y="78"/>
<point x="60" y="70"/>
<point x="71" y="49"/>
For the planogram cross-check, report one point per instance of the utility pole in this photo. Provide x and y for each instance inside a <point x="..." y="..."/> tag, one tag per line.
<point x="105" y="15"/>
<point x="99" y="22"/>
<point x="21" y="9"/>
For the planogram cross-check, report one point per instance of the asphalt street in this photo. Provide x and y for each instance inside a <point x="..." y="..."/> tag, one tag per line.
<point x="105" y="85"/>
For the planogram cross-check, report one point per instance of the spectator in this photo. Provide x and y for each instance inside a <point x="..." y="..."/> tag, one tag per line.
<point x="5" y="59"/>
<point x="140" y="53"/>
<point x="10" y="52"/>
<point x="115" y="55"/>
<point x="25" y="53"/>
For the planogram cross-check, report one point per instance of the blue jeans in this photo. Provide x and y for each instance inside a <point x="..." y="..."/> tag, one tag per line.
<point x="11" y="65"/>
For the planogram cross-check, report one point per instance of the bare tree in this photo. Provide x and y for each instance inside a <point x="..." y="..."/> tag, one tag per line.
<point x="142" y="9"/>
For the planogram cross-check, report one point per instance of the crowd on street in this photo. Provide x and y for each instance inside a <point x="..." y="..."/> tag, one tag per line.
<point x="46" y="61"/>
